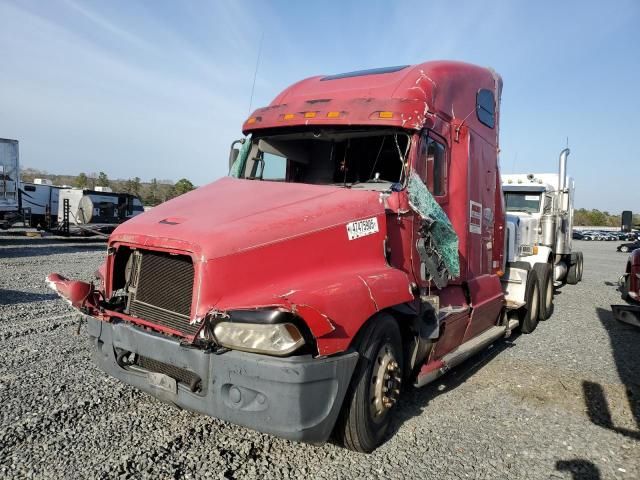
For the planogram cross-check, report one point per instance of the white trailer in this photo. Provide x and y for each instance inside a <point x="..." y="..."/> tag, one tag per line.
<point x="9" y="181"/>
<point x="539" y="210"/>
<point x="39" y="203"/>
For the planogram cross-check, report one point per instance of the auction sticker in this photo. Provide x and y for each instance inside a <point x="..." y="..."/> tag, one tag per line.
<point x="362" y="228"/>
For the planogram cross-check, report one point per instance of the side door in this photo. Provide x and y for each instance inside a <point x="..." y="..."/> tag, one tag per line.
<point x="432" y="167"/>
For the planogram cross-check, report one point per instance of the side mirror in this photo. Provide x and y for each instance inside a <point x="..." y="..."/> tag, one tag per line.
<point x="233" y="153"/>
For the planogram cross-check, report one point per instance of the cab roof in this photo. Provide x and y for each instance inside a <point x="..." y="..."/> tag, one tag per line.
<point x="409" y="96"/>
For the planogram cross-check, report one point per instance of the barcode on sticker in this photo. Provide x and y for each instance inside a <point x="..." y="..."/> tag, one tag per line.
<point x="362" y="228"/>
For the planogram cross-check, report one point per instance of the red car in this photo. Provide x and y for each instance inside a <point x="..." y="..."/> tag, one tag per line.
<point x="630" y="281"/>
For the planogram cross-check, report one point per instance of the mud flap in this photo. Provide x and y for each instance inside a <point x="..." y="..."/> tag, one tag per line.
<point x="627" y="313"/>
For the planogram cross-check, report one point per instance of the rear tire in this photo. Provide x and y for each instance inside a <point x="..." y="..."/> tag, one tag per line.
<point x="528" y="314"/>
<point x="572" y="273"/>
<point x="544" y="271"/>
<point x="375" y="386"/>
<point x="624" y="249"/>
<point x="580" y="266"/>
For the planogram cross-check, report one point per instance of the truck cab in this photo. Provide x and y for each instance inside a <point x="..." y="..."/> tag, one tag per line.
<point x="356" y="246"/>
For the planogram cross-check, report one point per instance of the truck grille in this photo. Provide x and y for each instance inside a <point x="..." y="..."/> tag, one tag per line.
<point x="161" y="289"/>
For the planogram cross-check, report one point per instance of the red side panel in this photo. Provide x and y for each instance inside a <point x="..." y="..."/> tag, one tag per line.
<point x="487" y="301"/>
<point x="451" y="334"/>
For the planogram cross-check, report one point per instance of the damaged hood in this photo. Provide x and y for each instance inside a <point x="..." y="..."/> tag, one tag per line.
<point x="232" y="215"/>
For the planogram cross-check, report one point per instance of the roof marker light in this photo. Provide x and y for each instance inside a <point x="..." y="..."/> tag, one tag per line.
<point x="309" y="114"/>
<point x="288" y="116"/>
<point x="333" y="114"/>
<point x="385" y="114"/>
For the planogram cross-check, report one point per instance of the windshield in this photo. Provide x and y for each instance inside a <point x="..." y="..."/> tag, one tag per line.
<point x="371" y="159"/>
<point x="522" y="202"/>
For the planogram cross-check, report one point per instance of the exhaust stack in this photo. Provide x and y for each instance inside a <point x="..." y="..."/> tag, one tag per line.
<point x="562" y="180"/>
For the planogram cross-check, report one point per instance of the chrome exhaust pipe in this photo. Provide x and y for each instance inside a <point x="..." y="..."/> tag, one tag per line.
<point x="562" y="180"/>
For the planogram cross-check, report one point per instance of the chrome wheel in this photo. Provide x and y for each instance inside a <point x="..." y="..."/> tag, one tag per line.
<point x="386" y="380"/>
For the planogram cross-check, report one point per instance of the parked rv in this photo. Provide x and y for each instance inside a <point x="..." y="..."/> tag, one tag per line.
<point x="39" y="203"/>
<point x="75" y="210"/>
<point x="352" y="250"/>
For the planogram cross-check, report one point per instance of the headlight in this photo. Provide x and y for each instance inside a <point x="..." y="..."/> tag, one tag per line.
<point x="272" y="339"/>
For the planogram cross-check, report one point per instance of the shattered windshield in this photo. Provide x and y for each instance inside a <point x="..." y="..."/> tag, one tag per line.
<point x="522" y="202"/>
<point x="369" y="159"/>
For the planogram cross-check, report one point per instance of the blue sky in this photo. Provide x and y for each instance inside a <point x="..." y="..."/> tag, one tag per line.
<point x="160" y="89"/>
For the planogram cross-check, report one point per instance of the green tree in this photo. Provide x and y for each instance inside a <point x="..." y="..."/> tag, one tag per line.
<point x="183" y="186"/>
<point x="132" y="186"/>
<point x="103" y="180"/>
<point x="152" y="196"/>
<point x="81" y="180"/>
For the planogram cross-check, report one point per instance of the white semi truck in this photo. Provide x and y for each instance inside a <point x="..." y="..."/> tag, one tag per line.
<point x="539" y="210"/>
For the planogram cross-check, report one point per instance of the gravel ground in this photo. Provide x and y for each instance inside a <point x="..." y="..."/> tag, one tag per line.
<point x="560" y="403"/>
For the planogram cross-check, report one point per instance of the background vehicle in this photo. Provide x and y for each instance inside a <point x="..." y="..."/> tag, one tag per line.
<point x="628" y="247"/>
<point x="350" y="251"/>
<point x="39" y="203"/>
<point x="630" y="288"/>
<point x="75" y="210"/>
<point x="539" y="232"/>
<point x="9" y="181"/>
<point x="96" y="210"/>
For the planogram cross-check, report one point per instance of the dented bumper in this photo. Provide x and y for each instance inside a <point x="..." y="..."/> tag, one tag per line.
<point x="297" y="398"/>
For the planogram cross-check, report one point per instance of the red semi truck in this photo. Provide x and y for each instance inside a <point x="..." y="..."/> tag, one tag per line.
<point x="357" y="245"/>
<point x="629" y="284"/>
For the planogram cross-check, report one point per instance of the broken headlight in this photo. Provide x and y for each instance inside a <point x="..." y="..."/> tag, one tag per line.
<point x="272" y="339"/>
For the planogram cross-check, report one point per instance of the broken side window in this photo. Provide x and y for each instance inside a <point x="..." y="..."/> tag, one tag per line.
<point x="438" y="225"/>
<point x="433" y="165"/>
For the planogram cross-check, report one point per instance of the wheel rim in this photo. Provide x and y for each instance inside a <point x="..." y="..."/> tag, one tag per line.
<point x="385" y="382"/>
<point x="535" y="298"/>
<point x="624" y="249"/>
<point x="580" y="264"/>
<point x="548" y="295"/>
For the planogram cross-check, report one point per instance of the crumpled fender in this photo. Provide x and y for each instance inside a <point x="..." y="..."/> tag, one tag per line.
<point x="78" y="294"/>
<point x="334" y="307"/>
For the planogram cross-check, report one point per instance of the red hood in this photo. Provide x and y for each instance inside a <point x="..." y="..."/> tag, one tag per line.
<point x="232" y="215"/>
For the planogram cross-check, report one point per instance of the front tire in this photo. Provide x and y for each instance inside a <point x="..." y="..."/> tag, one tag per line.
<point x="544" y="271"/>
<point x="624" y="249"/>
<point x="528" y="314"/>
<point x="375" y="386"/>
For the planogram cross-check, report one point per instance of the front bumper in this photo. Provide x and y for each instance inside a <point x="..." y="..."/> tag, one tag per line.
<point x="297" y="398"/>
